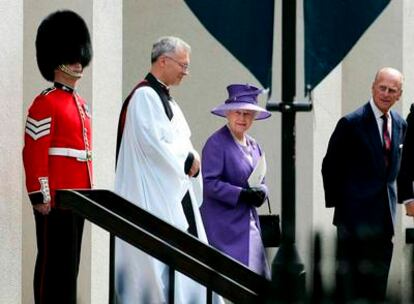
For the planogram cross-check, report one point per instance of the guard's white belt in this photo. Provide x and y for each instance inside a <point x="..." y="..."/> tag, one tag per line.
<point x="81" y="155"/>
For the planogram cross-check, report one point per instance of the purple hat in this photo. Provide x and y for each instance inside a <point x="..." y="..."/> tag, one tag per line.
<point x="242" y="97"/>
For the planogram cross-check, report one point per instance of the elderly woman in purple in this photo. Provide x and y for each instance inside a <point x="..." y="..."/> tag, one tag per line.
<point x="228" y="158"/>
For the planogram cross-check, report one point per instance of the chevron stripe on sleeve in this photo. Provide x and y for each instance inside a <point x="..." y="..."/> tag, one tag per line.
<point x="38" y="128"/>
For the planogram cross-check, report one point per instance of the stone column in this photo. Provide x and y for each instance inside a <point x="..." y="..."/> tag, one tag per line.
<point x="11" y="185"/>
<point x="106" y="105"/>
<point x="327" y="101"/>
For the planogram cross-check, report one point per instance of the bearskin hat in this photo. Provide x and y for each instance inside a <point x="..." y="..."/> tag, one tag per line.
<point x="62" y="38"/>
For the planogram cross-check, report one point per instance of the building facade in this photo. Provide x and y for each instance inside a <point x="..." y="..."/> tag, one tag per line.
<point x="122" y="34"/>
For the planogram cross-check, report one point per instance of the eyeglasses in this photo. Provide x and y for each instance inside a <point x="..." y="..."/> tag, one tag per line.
<point x="184" y="66"/>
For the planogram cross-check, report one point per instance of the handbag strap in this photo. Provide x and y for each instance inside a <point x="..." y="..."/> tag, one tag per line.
<point x="268" y="205"/>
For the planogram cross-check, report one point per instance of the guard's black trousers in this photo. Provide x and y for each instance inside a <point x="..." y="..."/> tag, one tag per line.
<point x="59" y="238"/>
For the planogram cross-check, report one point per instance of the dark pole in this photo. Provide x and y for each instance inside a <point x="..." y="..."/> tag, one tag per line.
<point x="288" y="273"/>
<point x="288" y="118"/>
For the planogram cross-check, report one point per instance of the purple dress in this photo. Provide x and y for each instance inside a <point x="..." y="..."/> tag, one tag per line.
<point x="226" y="168"/>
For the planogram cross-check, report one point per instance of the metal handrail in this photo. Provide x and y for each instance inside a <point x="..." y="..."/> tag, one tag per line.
<point x="180" y="250"/>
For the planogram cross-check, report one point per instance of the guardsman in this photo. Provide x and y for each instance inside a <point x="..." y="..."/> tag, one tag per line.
<point x="57" y="153"/>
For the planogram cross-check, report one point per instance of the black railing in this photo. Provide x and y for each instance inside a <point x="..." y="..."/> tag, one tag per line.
<point x="181" y="251"/>
<point x="186" y="254"/>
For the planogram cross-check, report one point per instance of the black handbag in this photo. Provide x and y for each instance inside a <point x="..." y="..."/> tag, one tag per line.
<point x="270" y="228"/>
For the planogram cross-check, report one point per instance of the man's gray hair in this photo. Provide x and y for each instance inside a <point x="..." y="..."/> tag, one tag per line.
<point x="168" y="45"/>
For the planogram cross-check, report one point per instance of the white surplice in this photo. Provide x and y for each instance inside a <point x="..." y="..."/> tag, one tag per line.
<point x="150" y="174"/>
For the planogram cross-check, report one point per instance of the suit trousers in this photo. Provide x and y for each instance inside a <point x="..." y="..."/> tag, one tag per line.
<point x="362" y="267"/>
<point x="59" y="238"/>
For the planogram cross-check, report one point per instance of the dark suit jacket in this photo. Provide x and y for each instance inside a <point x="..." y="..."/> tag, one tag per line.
<point x="356" y="180"/>
<point x="406" y="175"/>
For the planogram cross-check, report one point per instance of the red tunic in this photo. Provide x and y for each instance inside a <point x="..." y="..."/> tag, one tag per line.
<point x="58" y="118"/>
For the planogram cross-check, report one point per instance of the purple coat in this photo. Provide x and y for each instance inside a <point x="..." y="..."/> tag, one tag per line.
<point x="225" y="170"/>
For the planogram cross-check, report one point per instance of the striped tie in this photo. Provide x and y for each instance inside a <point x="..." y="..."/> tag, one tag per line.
<point x="386" y="139"/>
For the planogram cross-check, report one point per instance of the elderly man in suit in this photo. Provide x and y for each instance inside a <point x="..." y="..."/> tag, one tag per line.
<point x="359" y="175"/>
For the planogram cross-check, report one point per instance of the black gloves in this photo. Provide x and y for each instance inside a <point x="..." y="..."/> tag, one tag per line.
<point x="254" y="196"/>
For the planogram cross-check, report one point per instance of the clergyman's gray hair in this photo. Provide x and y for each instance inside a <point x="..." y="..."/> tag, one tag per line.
<point x="167" y="45"/>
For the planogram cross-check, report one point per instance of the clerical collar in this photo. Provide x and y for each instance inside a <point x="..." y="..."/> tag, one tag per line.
<point x="156" y="82"/>
<point x="163" y="85"/>
<point x="64" y="87"/>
